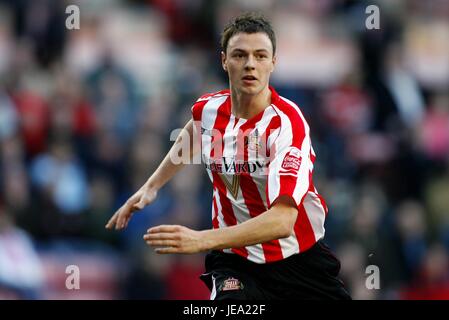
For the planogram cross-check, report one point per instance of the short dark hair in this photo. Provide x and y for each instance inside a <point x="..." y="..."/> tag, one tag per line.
<point x="248" y="23"/>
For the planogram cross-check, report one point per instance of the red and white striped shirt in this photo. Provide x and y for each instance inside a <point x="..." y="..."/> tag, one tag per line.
<point x="251" y="162"/>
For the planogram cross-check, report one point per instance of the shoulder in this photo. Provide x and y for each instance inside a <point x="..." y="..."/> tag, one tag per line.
<point x="200" y="103"/>
<point x="212" y="95"/>
<point x="290" y="114"/>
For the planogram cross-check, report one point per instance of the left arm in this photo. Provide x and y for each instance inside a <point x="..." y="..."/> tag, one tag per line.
<point x="275" y="223"/>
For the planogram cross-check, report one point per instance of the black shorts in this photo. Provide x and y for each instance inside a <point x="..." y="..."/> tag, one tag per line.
<point x="308" y="275"/>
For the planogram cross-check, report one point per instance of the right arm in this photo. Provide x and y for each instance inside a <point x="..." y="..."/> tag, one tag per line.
<point x="166" y="170"/>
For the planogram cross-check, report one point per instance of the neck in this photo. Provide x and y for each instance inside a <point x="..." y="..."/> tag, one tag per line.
<point x="247" y="106"/>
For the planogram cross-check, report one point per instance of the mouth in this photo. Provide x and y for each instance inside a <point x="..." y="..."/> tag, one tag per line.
<point x="249" y="79"/>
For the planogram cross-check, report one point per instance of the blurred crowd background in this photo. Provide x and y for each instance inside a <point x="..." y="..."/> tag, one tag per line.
<point x="86" y="117"/>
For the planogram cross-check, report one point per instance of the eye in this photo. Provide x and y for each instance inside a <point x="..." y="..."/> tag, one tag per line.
<point x="261" y="56"/>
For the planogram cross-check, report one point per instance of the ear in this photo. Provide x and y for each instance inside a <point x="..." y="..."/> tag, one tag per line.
<point x="273" y="64"/>
<point x="223" y="61"/>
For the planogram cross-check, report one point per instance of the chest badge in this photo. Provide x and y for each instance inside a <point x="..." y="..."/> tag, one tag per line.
<point x="252" y="141"/>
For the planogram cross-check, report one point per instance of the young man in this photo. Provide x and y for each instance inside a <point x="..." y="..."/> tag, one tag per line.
<point x="267" y="216"/>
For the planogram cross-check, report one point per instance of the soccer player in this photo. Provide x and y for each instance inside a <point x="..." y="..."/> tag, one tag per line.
<point x="267" y="216"/>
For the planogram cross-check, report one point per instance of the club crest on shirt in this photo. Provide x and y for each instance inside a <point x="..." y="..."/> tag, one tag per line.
<point x="231" y="284"/>
<point x="292" y="161"/>
<point x="252" y="141"/>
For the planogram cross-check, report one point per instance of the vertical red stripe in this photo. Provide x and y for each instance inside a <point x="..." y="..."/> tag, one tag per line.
<point x="221" y="121"/>
<point x="270" y="151"/>
<point x="197" y="113"/>
<point x="226" y="206"/>
<point x="226" y="210"/>
<point x="287" y="185"/>
<point x="253" y="201"/>
<point x="197" y="110"/>
<point x="297" y="124"/>
<point x="312" y="157"/>
<point x="303" y="230"/>
<point x="215" y="215"/>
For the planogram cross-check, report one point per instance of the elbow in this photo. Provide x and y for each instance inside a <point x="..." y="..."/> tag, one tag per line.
<point x="285" y="213"/>
<point x="286" y="227"/>
<point x="285" y="231"/>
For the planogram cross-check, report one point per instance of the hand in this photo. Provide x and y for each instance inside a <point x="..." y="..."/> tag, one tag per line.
<point x="143" y="197"/>
<point x="175" y="239"/>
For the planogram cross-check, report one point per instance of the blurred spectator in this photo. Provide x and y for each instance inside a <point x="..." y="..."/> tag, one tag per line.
<point x="403" y="88"/>
<point x="101" y="207"/>
<point x="434" y="133"/>
<point x="34" y="116"/>
<point x="437" y="201"/>
<point x="412" y="229"/>
<point x="111" y="89"/>
<point x="432" y="282"/>
<point x="59" y="176"/>
<point x="40" y="21"/>
<point x="72" y="115"/>
<point x="348" y="108"/>
<point x="109" y="158"/>
<point x="9" y="119"/>
<point x="21" y="273"/>
<point x="368" y="209"/>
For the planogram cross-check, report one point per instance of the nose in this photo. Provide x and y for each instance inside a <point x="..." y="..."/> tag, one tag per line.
<point x="250" y="63"/>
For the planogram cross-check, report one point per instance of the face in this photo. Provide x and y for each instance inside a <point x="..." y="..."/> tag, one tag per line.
<point x="249" y="62"/>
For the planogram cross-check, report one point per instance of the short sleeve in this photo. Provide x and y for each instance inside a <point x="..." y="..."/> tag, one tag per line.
<point x="290" y="170"/>
<point x="196" y="112"/>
